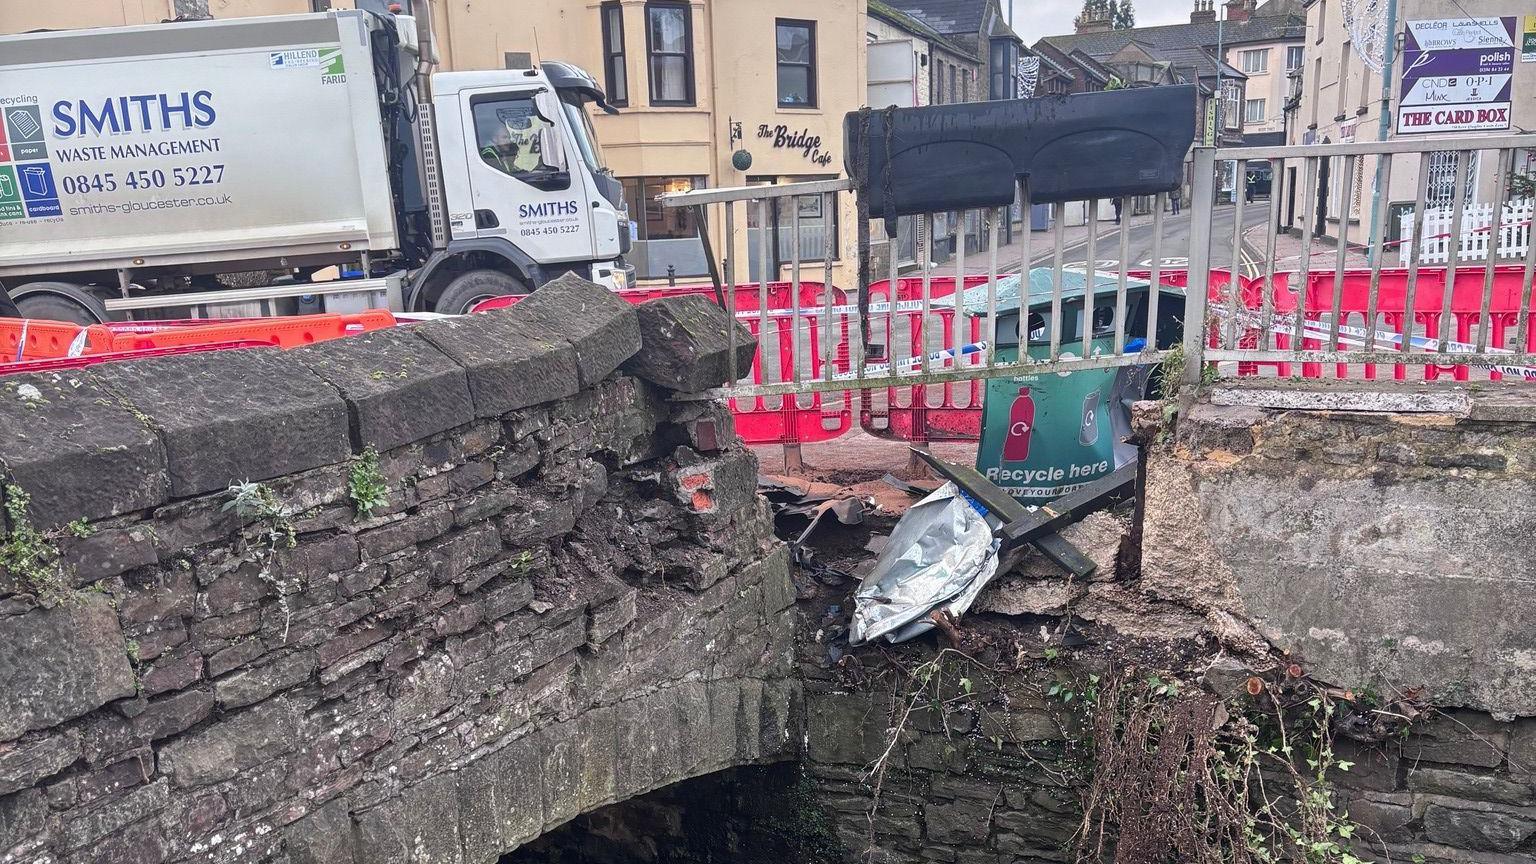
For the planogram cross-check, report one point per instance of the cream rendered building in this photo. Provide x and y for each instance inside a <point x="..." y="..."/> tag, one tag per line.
<point x="1341" y="102"/>
<point x="695" y="82"/>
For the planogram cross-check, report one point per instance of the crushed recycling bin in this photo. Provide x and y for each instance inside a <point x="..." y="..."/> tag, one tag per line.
<point x="1047" y="433"/>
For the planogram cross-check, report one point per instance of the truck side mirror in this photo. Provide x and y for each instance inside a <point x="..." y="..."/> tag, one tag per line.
<point x="549" y="181"/>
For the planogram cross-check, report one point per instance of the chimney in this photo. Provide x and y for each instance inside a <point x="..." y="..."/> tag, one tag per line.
<point x="1240" y="10"/>
<point x="1205" y="10"/>
<point x="1093" y="20"/>
<point x="1092" y="25"/>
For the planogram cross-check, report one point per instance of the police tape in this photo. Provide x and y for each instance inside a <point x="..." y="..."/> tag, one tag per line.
<point x="845" y="309"/>
<point x="906" y="363"/>
<point x="1356" y="337"/>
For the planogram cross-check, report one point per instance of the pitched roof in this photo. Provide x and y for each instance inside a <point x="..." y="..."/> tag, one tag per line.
<point x="1275" y="21"/>
<point x="917" y="26"/>
<point x="1093" y="67"/>
<point x="1051" y="63"/>
<point x="946" y="16"/>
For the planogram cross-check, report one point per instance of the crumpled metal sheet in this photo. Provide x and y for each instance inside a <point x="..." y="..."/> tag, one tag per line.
<point x="939" y="557"/>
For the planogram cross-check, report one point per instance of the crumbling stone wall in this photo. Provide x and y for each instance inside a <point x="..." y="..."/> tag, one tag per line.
<point x="1388" y="553"/>
<point x="569" y="596"/>
<point x="1380" y="557"/>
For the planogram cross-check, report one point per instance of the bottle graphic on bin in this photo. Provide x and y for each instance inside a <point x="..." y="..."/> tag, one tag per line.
<point x="1021" y="423"/>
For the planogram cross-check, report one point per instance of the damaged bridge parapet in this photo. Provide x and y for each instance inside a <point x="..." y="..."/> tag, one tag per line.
<point x="1387" y="547"/>
<point x="474" y="577"/>
<point x="1383" y="538"/>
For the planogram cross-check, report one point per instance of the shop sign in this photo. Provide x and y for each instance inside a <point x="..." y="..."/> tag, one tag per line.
<point x="781" y="138"/>
<point x="1457" y="75"/>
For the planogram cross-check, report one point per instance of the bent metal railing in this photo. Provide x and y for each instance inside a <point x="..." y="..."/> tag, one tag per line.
<point x="915" y="329"/>
<point x="938" y="325"/>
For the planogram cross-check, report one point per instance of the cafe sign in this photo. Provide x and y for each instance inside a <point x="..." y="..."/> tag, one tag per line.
<point x="782" y="138"/>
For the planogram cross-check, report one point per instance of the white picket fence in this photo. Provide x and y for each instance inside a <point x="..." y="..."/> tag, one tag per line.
<point x="1514" y="232"/>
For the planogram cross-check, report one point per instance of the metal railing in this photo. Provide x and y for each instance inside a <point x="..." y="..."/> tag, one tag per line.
<point x="1246" y="302"/>
<point x="925" y="327"/>
<point x="1357" y="313"/>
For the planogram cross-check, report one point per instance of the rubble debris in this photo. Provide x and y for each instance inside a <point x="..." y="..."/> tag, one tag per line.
<point x="940" y="555"/>
<point x="686" y="344"/>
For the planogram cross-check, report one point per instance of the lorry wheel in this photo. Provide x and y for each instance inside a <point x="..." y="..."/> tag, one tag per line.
<point x="470" y="288"/>
<point x="60" y="301"/>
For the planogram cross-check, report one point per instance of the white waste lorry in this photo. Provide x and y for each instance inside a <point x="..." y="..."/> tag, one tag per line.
<point x="292" y="163"/>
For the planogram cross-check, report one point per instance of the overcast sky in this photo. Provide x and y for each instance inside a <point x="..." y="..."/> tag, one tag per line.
<point x="1037" y="18"/>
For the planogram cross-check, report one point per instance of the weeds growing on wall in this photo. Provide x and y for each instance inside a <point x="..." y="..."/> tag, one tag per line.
<point x="31" y="557"/>
<point x="365" y="483"/>
<point x="256" y="502"/>
<point x="1185" y="776"/>
<point x="1166" y="770"/>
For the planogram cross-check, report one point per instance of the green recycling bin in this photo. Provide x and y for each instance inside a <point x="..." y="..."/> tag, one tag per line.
<point x="1047" y="433"/>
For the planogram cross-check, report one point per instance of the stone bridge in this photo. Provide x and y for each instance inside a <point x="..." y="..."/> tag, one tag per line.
<point x="427" y="595"/>
<point x="417" y="595"/>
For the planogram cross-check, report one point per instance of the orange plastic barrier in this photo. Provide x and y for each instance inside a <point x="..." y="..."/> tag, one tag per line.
<point x="290" y="332"/>
<point x="33" y="339"/>
<point x="56" y="364"/>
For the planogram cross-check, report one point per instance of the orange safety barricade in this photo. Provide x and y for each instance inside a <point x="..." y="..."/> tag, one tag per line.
<point x="24" y="339"/>
<point x="920" y="413"/>
<point x="1428" y="300"/>
<point x="289" y="332"/>
<point x="58" y="364"/>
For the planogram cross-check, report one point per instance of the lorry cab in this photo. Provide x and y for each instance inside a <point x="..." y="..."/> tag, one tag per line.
<point x="523" y="178"/>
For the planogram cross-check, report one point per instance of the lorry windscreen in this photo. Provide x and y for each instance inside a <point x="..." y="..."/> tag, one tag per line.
<point x="581" y="128"/>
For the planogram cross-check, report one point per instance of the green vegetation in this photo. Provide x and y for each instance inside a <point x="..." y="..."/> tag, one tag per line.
<point x="30" y="556"/>
<point x="365" y="483"/>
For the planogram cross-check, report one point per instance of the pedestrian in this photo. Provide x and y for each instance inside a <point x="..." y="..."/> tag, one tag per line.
<point x="1117" y="211"/>
<point x="1176" y="199"/>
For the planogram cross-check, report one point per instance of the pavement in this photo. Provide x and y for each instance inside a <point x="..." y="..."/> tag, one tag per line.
<point x="1141" y="244"/>
<point x="1324" y="253"/>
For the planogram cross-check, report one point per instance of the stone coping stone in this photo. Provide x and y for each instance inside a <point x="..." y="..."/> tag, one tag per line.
<point x="399" y="387"/>
<point x="77" y="449"/>
<point x="602" y="327"/>
<point x="512" y="361"/>
<point x="231" y="416"/>
<point x="686" y="344"/>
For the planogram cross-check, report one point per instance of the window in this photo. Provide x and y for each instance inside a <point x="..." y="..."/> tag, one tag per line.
<point x="1004" y="69"/>
<point x="815" y="220"/>
<point x="1253" y="111"/>
<point x="954" y="84"/>
<point x="796" y="50"/>
<point x="1440" y="188"/>
<point x="669" y="44"/>
<point x="1293" y="57"/>
<point x="514" y="138"/>
<point x="1256" y="62"/>
<point x="581" y="129"/>
<point x="1343" y="78"/>
<point x="616" y="79"/>
<point x="965" y="85"/>
<point x="1232" y="105"/>
<point x="665" y="237"/>
<point x="1317" y="88"/>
